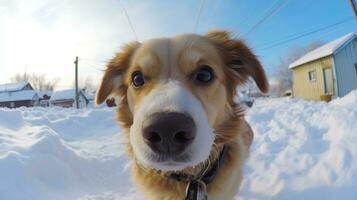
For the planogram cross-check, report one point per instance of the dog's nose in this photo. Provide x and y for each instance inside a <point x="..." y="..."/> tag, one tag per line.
<point x="169" y="133"/>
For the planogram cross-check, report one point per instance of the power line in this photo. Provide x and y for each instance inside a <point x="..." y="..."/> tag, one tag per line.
<point x="302" y="34"/>
<point x="213" y="11"/>
<point x="354" y="7"/>
<point x="92" y="66"/>
<point x="274" y="9"/>
<point x="129" y="21"/>
<point x="202" y="3"/>
<point x="94" y="60"/>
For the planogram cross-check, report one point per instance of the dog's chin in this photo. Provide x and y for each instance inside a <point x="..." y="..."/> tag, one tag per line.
<point x="171" y="163"/>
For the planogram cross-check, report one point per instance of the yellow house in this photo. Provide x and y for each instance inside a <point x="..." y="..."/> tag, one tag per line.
<point x="328" y="70"/>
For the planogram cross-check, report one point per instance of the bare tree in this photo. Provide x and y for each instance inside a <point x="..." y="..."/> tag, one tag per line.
<point x="85" y="84"/>
<point x="282" y="74"/>
<point x="19" y="77"/>
<point x="88" y="84"/>
<point x="38" y="81"/>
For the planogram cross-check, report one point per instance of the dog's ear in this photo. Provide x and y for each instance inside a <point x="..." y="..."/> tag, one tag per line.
<point x="239" y="59"/>
<point x="112" y="81"/>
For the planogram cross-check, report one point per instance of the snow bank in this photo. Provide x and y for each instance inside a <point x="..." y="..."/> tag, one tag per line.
<point x="57" y="153"/>
<point x="302" y="150"/>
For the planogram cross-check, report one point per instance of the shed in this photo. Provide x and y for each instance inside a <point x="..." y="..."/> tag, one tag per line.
<point x="66" y="98"/>
<point x="328" y="70"/>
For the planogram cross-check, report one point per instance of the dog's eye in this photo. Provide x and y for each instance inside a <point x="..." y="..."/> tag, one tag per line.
<point x="138" y="79"/>
<point x="204" y="74"/>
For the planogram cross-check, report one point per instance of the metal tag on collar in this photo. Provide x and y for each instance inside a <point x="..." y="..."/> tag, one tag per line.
<point x="196" y="190"/>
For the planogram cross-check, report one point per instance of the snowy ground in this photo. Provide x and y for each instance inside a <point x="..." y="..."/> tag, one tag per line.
<point x="302" y="150"/>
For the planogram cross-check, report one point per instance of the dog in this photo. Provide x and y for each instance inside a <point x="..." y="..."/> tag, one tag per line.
<point x="185" y="133"/>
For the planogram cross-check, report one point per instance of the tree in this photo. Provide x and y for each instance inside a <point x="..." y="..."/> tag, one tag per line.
<point x="282" y="74"/>
<point x="38" y="81"/>
<point x="85" y="84"/>
<point x="88" y="84"/>
<point x="19" y="77"/>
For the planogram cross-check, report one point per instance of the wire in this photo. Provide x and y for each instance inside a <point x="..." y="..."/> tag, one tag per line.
<point x="303" y="34"/>
<point x="94" y="60"/>
<point x="129" y="21"/>
<point x="91" y="66"/>
<point x="274" y="9"/>
<point x="202" y="3"/>
<point x="213" y="11"/>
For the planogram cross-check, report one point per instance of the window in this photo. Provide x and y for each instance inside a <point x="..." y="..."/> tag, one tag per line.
<point x="356" y="69"/>
<point x="312" y="75"/>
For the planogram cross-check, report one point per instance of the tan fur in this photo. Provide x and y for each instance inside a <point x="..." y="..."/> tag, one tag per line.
<point x="177" y="58"/>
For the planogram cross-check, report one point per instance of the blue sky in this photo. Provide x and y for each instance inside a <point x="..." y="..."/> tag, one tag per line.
<point x="295" y="17"/>
<point x="44" y="36"/>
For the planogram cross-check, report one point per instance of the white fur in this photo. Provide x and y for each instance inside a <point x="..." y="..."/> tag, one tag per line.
<point x="172" y="96"/>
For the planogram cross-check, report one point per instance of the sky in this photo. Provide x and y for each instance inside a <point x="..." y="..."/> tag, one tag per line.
<point x="45" y="36"/>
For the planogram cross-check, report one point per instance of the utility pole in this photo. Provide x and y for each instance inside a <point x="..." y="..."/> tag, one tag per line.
<point x="354" y="7"/>
<point x="76" y="81"/>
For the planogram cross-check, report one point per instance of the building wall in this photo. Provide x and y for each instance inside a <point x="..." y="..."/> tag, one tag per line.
<point x="68" y="103"/>
<point x="303" y="87"/>
<point x="345" y="60"/>
<point x="63" y="103"/>
<point x="17" y="104"/>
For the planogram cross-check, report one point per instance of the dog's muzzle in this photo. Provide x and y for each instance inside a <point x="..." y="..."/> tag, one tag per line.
<point x="171" y="130"/>
<point x="169" y="134"/>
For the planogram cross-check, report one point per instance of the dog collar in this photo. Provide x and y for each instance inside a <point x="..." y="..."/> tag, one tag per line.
<point x="196" y="187"/>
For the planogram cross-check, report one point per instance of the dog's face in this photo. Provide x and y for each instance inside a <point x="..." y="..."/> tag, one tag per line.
<point x="177" y="93"/>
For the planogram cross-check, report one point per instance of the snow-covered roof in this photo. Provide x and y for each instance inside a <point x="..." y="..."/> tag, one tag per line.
<point x="10" y="87"/>
<point x="43" y="93"/>
<point x="17" y="96"/>
<point x="323" y="51"/>
<point x="65" y="94"/>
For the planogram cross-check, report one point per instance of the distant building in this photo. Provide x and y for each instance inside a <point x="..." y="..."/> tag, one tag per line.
<point x="14" y="95"/>
<point x="330" y="70"/>
<point x="14" y="87"/>
<point x="44" y="98"/>
<point x="66" y="98"/>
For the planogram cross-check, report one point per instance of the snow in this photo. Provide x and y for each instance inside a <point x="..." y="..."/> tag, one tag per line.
<point x="301" y="150"/>
<point x="17" y="96"/>
<point x="10" y="87"/>
<point x="323" y="51"/>
<point x="56" y="153"/>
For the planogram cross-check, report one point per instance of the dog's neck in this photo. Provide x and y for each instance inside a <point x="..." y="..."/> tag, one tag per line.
<point x="197" y="185"/>
<point x="206" y="175"/>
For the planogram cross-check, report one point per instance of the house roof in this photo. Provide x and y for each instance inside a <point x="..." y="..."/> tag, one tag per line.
<point x="17" y="96"/>
<point x="65" y="94"/>
<point x="323" y="51"/>
<point x="11" y="87"/>
<point x="43" y="93"/>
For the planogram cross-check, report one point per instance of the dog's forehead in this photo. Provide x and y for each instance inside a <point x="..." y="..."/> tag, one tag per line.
<point x="166" y="50"/>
